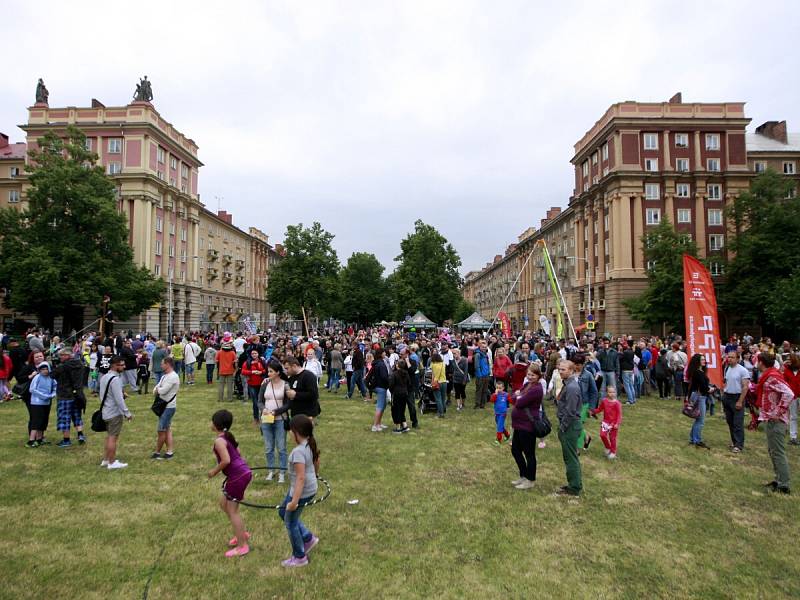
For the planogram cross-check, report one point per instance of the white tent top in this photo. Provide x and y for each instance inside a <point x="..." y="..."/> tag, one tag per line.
<point x="474" y="321"/>
<point x="419" y="320"/>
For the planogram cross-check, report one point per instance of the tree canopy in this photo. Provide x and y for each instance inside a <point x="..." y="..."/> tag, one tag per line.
<point x="363" y="290"/>
<point x="662" y="301"/>
<point x="69" y="245"/>
<point x="307" y="277"/>
<point x="427" y="277"/>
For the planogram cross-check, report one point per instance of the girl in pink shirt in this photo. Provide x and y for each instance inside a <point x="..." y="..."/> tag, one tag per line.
<point x="612" y="417"/>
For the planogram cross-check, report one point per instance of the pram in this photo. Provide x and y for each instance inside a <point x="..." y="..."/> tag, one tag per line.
<point x="427" y="401"/>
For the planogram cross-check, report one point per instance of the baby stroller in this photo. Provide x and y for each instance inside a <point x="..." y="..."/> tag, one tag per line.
<point x="427" y="401"/>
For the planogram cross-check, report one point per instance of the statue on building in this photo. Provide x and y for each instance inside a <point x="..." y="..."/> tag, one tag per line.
<point x="41" y="93"/>
<point x="144" y="93"/>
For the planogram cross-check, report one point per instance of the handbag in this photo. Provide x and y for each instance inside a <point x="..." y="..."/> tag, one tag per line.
<point x="160" y="405"/>
<point x="435" y="384"/>
<point x="541" y="426"/>
<point x="692" y="408"/>
<point x="98" y="423"/>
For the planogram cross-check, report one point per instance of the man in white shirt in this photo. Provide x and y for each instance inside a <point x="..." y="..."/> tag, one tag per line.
<point x="737" y="383"/>
<point x="190" y="353"/>
<point x="239" y="344"/>
<point x="114" y="411"/>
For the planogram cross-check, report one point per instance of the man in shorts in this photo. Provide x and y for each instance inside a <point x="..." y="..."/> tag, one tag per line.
<point x="71" y="400"/>
<point x="114" y="411"/>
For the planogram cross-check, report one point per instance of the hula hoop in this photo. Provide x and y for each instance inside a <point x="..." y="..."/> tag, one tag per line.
<point x="316" y="500"/>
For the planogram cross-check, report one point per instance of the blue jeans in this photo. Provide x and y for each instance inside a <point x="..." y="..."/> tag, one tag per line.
<point x="333" y="378"/>
<point x="380" y="402"/>
<point x="179" y="367"/>
<point x="680" y="386"/>
<point x="630" y="386"/>
<point x="696" y="435"/>
<point x="210" y="372"/>
<point x="157" y="375"/>
<point x="252" y="393"/>
<point x="609" y="379"/>
<point x="274" y="435"/>
<point x="298" y="533"/>
<point x="441" y="398"/>
<point x="357" y="380"/>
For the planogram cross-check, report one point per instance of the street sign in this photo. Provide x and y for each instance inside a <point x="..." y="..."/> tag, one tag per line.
<point x="590" y="325"/>
<point x="590" y="317"/>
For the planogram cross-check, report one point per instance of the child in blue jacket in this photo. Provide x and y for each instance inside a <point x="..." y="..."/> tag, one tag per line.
<point x="43" y="389"/>
<point x="501" y="400"/>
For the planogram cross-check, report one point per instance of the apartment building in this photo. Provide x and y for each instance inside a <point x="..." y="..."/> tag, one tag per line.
<point x="12" y="176"/>
<point x="773" y="147"/>
<point x="495" y="290"/>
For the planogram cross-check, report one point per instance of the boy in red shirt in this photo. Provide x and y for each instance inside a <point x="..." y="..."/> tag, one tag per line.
<point x="612" y="417"/>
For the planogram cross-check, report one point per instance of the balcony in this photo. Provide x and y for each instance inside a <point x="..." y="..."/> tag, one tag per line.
<point x="212" y="273"/>
<point x="226" y="259"/>
<point x="239" y="264"/>
<point x="212" y="254"/>
<point x="239" y="280"/>
<point x="213" y="309"/>
<point x="227" y="276"/>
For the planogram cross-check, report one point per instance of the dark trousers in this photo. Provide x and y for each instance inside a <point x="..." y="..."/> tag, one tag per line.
<point x="734" y="418"/>
<point x="461" y="391"/>
<point x="412" y="410"/>
<point x="523" y="449"/>
<point x="399" y="408"/>
<point x="663" y="387"/>
<point x="569" y="452"/>
<point x="481" y="391"/>
<point x="210" y="372"/>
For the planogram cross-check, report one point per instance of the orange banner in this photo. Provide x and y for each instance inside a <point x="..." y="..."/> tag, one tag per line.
<point x="702" y="324"/>
<point x="505" y="324"/>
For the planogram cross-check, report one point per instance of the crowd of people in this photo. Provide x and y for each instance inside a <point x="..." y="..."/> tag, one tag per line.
<point x="280" y="375"/>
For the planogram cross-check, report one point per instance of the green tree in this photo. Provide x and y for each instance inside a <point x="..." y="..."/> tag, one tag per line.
<point x="427" y="277"/>
<point x="762" y="278"/>
<point x="306" y="280"/>
<point x="69" y="245"/>
<point x="463" y="310"/>
<point x="363" y="290"/>
<point x="662" y="301"/>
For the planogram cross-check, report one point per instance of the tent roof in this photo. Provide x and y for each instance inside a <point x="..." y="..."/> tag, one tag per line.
<point x="474" y="321"/>
<point x="420" y="320"/>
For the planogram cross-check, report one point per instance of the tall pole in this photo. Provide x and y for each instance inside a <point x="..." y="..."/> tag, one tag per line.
<point x="169" y="324"/>
<point x="513" y="285"/>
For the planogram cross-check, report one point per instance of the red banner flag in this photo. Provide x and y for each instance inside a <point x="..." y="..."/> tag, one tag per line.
<point x="702" y="324"/>
<point x="505" y="324"/>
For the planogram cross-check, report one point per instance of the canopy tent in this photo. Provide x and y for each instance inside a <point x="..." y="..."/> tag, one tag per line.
<point x="419" y="320"/>
<point x="474" y="321"/>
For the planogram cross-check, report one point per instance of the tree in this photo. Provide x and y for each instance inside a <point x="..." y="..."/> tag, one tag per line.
<point x="662" y="301"/>
<point x="463" y="310"/>
<point x="427" y="277"/>
<point x="305" y="281"/>
<point x="363" y="290"/>
<point x="764" y="265"/>
<point x="69" y="245"/>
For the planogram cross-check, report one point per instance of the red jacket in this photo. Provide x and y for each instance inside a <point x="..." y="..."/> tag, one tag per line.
<point x="6" y="366"/>
<point x="793" y="379"/>
<point x="502" y="367"/>
<point x="255" y="372"/>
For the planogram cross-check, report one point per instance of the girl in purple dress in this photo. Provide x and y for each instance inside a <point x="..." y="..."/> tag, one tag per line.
<point x="237" y="478"/>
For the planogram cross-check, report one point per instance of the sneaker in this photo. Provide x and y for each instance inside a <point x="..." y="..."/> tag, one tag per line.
<point x="270" y="475"/>
<point x="382" y="426"/>
<point x="567" y="491"/>
<point x="168" y="455"/>
<point x="611" y="456"/>
<point x="117" y="465"/>
<point x="64" y="444"/>
<point x="516" y="482"/>
<point x="702" y="445"/>
<point x="736" y="450"/>
<point x="794" y="442"/>
<point x="587" y="442"/>
<point x="281" y="477"/>
<point x="31" y="444"/>
<point x="405" y="429"/>
<point x="397" y="430"/>
<point x="376" y="428"/>
<point x="307" y="546"/>
<point x="606" y="451"/>
<point x="238" y="551"/>
<point x="81" y="439"/>
<point x="525" y="484"/>
<point x="295" y="562"/>
<point x="784" y="490"/>
<point x="771" y="484"/>
<point x="104" y="463"/>
<point x="235" y="542"/>
<point x="156" y="456"/>
<point x="44" y="442"/>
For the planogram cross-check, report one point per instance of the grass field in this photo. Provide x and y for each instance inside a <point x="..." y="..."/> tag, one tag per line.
<point x="436" y="518"/>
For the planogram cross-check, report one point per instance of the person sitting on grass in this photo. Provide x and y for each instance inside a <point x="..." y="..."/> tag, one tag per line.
<point x="237" y="477"/>
<point x="500" y="399"/>
<point x="612" y="417"/>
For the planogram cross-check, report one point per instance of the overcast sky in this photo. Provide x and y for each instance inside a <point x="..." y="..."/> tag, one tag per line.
<point x="366" y="116"/>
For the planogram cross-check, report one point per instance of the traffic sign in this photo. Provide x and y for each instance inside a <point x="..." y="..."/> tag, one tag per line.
<point x="590" y="317"/>
<point x="590" y="325"/>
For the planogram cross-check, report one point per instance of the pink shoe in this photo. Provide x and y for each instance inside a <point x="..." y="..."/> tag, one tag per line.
<point x="238" y="551"/>
<point x="295" y="562"/>
<point x="542" y="444"/>
<point x="307" y="546"/>
<point x="235" y="542"/>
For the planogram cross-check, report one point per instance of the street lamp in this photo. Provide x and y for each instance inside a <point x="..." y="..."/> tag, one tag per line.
<point x="588" y="277"/>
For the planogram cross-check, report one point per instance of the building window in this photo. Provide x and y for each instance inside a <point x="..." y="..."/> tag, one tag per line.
<point x="788" y="168"/>
<point x="716" y="241"/>
<point x="714" y="191"/>
<point x="160" y="155"/>
<point x="651" y="264"/>
<point x="173" y="163"/>
<point x="681" y="140"/>
<point x="605" y="222"/>
<point x="651" y="141"/>
<point x="653" y="216"/>
<point x="682" y="165"/>
<point x="184" y="171"/>
<point x="171" y="251"/>
<point x="160" y="175"/>
<point x="183" y="275"/>
<point x="172" y="182"/>
<point x="170" y="272"/>
<point x="714" y="216"/>
<point x="13" y="196"/>
<point x="712" y="141"/>
<point x="14" y="172"/>
<point x="202" y="244"/>
<point x="651" y="164"/>
<point x="183" y="234"/>
<point x="716" y="269"/>
<point x="712" y="164"/>
<point x="687" y="238"/>
<point x="652" y="191"/>
<point x="791" y="193"/>
<point x="684" y="215"/>
<point x="157" y="269"/>
<point x="88" y="144"/>
<point x="183" y="256"/>
<point x="159" y="224"/>
<point x="114" y="168"/>
<point x="585" y="168"/>
<point x="158" y="247"/>
<point x="682" y="190"/>
<point x="172" y="228"/>
<point x="115" y="146"/>
<point x="759" y="166"/>
<point x="594" y="158"/>
<point x="604" y="151"/>
<point x="605" y="246"/>
<point x="605" y="171"/>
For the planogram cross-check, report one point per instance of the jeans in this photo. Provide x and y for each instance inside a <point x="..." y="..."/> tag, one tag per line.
<point x="252" y="393"/>
<point x="481" y="391"/>
<point x="680" y="386"/>
<point x="793" y="419"/>
<point x="210" y="373"/>
<point x="380" y="401"/>
<point x="609" y="379"/>
<point x="157" y="375"/>
<point x="441" y="398"/>
<point x="523" y="449"/>
<point x="226" y="385"/>
<point x="298" y="533"/>
<point x="776" y="444"/>
<point x="734" y="418"/>
<point x="630" y="386"/>
<point x="333" y="379"/>
<point x="696" y="435"/>
<point x="357" y="380"/>
<point x="129" y="378"/>
<point x="179" y="367"/>
<point x="274" y="436"/>
<point x="569" y="453"/>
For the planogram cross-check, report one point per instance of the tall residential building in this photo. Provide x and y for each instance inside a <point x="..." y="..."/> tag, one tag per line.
<point x="12" y="176"/>
<point x="641" y="163"/>
<point x="773" y="147"/>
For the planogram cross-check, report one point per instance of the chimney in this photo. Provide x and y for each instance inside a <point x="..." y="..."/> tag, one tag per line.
<point x="553" y="212"/>
<point x="3" y="140"/>
<point x="543" y="223"/>
<point x="676" y="99"/>
<point x="775" y="130"/>
<point x="225" y="216"/>
<point x="97" y="104"/>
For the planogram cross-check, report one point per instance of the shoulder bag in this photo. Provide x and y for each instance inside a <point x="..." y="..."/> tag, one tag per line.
<point x="160" y="405"/>
<point x="98" y="423"/>
<point x="692" y="407"/>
